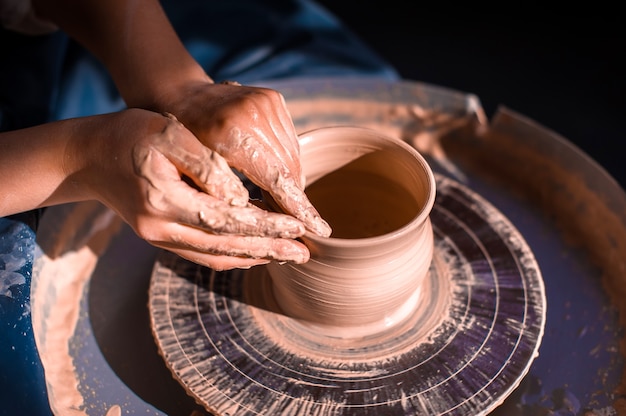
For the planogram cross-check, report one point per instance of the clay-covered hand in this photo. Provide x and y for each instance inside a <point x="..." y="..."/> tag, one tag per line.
<point x="152" y="69"/>
<point x="180" y="195"/>
<point x="252" y="128"/>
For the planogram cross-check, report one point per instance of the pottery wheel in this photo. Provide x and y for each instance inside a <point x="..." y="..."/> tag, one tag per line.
<point x="461" y="352"/>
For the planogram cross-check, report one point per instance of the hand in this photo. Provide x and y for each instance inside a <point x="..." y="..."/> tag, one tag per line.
<point x="178" y="194"/>
<point x="251" y="127"/>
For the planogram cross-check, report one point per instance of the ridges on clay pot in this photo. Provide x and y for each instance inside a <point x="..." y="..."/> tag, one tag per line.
<point x="376" y="192"/>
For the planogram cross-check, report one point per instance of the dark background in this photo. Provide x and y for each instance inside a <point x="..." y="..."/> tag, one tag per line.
<point x="561" y="68"/>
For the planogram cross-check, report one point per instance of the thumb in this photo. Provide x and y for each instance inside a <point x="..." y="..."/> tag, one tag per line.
<point x="206" y="168"/>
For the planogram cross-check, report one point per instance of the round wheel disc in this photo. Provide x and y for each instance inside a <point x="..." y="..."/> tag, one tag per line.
<point x="462" y="351"/>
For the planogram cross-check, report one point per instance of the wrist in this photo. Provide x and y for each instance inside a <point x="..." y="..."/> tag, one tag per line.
<point x="165" y="92"/>
<point x="76" y="159"/>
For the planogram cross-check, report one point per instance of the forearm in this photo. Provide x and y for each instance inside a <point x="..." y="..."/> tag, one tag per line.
<point x="35" y="168"/>
<point x="134" y="40"/>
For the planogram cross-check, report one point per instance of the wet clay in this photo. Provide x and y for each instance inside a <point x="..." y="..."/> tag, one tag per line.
<point x="585" y="218"/>
<point x="360" y="204"/>
<point x="71" y="251"/>
<point x="377" y="192"/>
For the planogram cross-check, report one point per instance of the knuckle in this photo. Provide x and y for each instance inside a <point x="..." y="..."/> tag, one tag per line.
<point x="261" y="98"/>
<point x="146" y="230"/>
<point x="215" y="222"/>
<point x="156" y="200"/>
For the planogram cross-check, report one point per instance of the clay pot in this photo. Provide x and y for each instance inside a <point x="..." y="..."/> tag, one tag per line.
<point x="376" y="192"/>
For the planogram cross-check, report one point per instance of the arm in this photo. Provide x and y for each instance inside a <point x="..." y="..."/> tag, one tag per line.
<point x="250" y="127"/>
<point x="32" y="170"/>
<point x="134" y="40"/>
<point x="136" y="163"/>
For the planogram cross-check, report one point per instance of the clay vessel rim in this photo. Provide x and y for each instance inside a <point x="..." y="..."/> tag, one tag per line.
<point x="417" y="221"/>
<point x="411" y="226"/>
<point x="368" y="241"/>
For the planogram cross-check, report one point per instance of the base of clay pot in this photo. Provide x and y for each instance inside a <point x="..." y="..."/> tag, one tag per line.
<point x="378" y="328"/>
<point x="411" y="324"/>
<point x="423" y="311"/>
<point x="464" y="352"/>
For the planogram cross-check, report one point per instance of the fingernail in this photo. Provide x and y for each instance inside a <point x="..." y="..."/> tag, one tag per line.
<point x="238" y="194"/>
<point x="285" y="190"/>
<point x="317" y="223"/>
<point x="238" y="201"/>
<point x="293" y="251"/>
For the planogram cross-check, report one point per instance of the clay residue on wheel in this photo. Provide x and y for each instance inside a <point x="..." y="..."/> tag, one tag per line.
<point x="419" y="125"/>
<point x="62" y="272"/>
<point x="584" y="204"/>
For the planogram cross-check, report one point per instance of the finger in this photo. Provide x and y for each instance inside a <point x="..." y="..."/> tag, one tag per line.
<point x="297" y="172"/>
<point x="218" y="217"/>
<point x="266" y="130"/>
<point x="174" y="199"/>
<point x="285" y="131"/>
<point x="183" y="237"/>
<point x="270" y="173"/>
<point x="292" y="199"/>
<point x="250" y="221"/>
<point x="272" y="116"/>
<point x="217" y="262"/>
<point x="288" y="127"/>
<point x="206" y="168"/>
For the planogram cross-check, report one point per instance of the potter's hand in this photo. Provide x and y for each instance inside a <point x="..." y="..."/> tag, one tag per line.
<point x="143" y="172"/>
<point x="152" y="69"/>
<point x="253" y="130"/>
